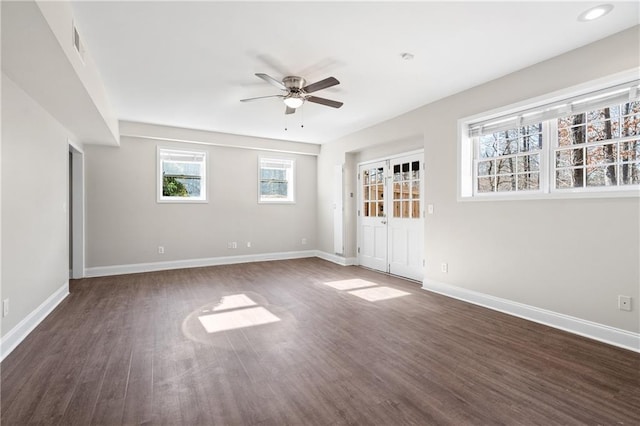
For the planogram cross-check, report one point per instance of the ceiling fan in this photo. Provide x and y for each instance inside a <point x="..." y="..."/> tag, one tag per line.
<point x="297" y="91"/>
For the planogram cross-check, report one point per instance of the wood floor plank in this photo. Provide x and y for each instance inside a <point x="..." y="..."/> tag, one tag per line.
<point x="133" y="349"/>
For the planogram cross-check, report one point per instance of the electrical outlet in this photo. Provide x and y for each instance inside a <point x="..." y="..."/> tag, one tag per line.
<point x="248" y="244"/>
<point x="624" y="303"/>
<point x="430" y="208"/>
<point x="444" y="267"/>
<point x="160" y="249"/>
<point x="234" y="245"/>
<point x="304" y="241"/>
<point x="5" y="307"/>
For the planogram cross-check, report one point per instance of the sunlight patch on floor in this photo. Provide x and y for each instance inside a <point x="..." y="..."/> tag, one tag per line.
<point x="350" y="284"/>
<point x="375" y="294"/>
<point x="241" y="318"/>
<point x="234" y="301"/>
<point x="366" y="290"/>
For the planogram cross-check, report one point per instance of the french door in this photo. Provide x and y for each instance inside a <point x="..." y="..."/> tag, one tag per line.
<point x="390" y="216"/>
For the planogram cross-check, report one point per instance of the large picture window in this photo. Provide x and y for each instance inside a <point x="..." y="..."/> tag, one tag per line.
<point x="276" y="180"/>
<point x="583" y="144"/>
<point x="182" y="175"/>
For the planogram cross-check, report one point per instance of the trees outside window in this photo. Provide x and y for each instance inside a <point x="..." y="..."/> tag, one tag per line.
<point x="181" y="175"/>
<point x="587" y="143"/>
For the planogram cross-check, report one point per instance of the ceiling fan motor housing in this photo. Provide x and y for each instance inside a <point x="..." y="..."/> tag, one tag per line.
<point x="294" y="83"/>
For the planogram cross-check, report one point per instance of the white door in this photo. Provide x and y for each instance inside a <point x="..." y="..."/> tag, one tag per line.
<point x="405" y="218"/>
<point x="372" y="235"/>
<point x="390" y="231"/>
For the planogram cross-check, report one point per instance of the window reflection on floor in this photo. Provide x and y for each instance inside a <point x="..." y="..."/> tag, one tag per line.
<point x="350" y="284"/>
<point x="366" y="290"/>
<point x="234" y="301"/>
<point x="233" y="312"/>
<point x="374" y="294"/>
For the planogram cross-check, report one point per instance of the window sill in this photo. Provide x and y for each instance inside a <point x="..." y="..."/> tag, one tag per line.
<point x="275" y="202"/>
<point x="186" y="201"/>
<point x="555" y="195"/>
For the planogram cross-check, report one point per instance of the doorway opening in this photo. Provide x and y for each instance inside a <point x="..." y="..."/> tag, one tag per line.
<point x="391" y="215"/>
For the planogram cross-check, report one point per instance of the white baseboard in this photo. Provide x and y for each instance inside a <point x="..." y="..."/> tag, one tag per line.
<point x="335" y="258"/>
<point x="603" y="333"/>
<point x="102" y="271"/>
<point x="18" y="333"/>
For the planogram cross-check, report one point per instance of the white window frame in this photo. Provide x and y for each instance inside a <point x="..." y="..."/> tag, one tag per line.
<point x="291" y="177"/>
<point x="203" y="198"/>
<point x="467" y="154"/>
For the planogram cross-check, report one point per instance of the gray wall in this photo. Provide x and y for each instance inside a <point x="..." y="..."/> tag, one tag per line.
<point x="34" y="199"/>
<point x="549" y="267"/>
<point x="125" y="224"/>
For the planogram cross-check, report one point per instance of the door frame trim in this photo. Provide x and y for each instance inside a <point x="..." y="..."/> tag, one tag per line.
<point x="391" y="157"/>
<point x="77" y="208"/>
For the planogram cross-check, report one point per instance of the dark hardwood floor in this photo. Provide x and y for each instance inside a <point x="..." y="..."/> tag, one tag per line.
<point x="134" y="350"/>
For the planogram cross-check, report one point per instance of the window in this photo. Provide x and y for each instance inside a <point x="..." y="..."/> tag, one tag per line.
<point x="182" y="176"/>
<point x="584" y="144"/>
<point x="598" y="148"/>
<point x="275" y="180"/>
<point x="509" y="160"/>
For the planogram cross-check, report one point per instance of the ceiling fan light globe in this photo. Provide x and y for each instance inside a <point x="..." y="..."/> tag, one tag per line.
<point x="293" y="102"/>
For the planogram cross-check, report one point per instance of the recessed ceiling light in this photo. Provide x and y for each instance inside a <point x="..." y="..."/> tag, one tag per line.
<point x="407" y="56"/>
<point x="595" y="12"/>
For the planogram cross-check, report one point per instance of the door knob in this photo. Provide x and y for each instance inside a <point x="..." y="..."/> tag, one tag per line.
<point x="384" y="221"/>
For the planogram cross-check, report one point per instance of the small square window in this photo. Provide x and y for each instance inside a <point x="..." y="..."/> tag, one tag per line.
<point x="276" y="180"/>
<point x="182" y="176"/>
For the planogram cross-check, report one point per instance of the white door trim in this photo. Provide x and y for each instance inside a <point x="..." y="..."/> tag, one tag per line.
<point x="76" y="204"/>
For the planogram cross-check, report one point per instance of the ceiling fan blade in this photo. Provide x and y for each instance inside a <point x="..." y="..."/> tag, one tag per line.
<point x="322" y="84"/>
<point x="323" y="101"/>
<point x="261" y="97"/>
<point x="290" y="110"/>
<point x="271" y="80"/>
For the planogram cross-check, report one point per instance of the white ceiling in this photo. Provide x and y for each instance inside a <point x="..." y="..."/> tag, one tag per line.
<point x="188" y="64"/>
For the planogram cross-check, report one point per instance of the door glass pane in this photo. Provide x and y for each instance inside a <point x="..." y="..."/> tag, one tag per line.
<point x="405" y="209"/>
<point x="405" y="190"/>
<point x="366" y="193"/>
<point x="380" y="209"/>
<point x="365" y="211"/>
<point x="365" y="177"/>
<point x="396" y="209"/>
<point x="415" y="209"/>
<point x="373" y="207"/>
<point x="396" y="173"/>
<point x="396" y="191"/>
<point x="415" y="190"/>
<point x="405" y="171"/>
<point x="415" y="170"/>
